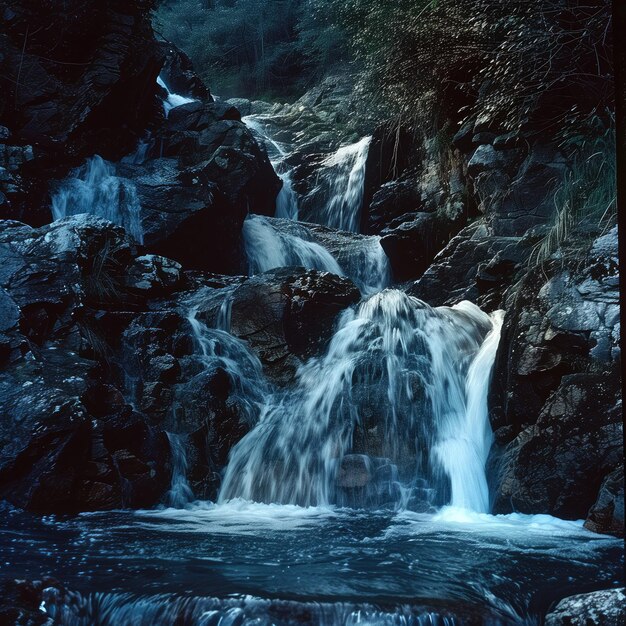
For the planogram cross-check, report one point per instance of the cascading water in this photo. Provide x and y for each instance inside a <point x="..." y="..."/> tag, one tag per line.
<point x="343" y="174"/>
<point x="267" y="248"/>
<point x="180" y="492"/>
<point x="287" y="200"/>
<point x="172" y="100"/>
<point x="402" y="383"/>
<point x="96" y="189"/>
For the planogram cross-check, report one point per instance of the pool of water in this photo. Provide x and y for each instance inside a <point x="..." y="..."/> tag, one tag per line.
<point x="242" y="564"/>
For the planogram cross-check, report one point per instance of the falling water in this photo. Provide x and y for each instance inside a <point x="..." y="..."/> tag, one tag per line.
<point x="287" y="200"/>
<point x="172" y="100"/>
<point x="267" y="248"/>
<point x="399" y="383"/>
<point x="95" y="188"/>
<point x="180" y="492"/>
<point x="344" y="175"/>
<point x="219" y="349"/>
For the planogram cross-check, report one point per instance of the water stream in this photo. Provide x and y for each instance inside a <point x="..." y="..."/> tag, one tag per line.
<point x="360" y="494"/>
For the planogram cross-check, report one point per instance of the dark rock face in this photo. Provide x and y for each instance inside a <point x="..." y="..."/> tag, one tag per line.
<point x="474" y="266"/>
<point x="598" y="608"/>
<point x="556" y="402"/>
<point x="101" y="76"/>
<point x="69" y="441"/>
<point x="413" y="244"/>
<point x="287" y="315"/>
<point x="607" y="514"/>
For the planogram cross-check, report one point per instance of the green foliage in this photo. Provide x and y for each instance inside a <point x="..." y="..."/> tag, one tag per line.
<point x="586" y="200"/>
<point x="239" y="47"/>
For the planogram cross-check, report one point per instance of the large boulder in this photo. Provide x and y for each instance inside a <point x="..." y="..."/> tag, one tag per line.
<point x="287" y="315"/>
<point x="598" y="608"/>
<point x="607" y="514"/>
<point x="69" y="440"/>
<point x="556" y="401"/>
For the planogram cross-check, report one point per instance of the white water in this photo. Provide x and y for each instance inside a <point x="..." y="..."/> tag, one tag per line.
<point x="95" y="188"/>
<point x="287" y="200"/>
<point x="268" y="248"/>
<point x="172" y="100"/>
<point x="398" y="369"/>
<point x="180" y="492"/>
<point x="344" y="174"/>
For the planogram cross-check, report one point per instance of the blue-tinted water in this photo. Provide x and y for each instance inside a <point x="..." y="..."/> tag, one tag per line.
<point x="242" y="563"/>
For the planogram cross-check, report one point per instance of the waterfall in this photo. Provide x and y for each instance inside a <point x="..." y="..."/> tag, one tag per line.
<point x="217" y="348"/>
<point x="180" y="492"/>
<point x="344" y="174"/>
<point x="95" y="188"/>
<point x="368" y="266"/>
<point x="267" y="248"/>
<point x="287" y="200"/>
<point x="402" y="384"/>
<point x="172" y="100"/>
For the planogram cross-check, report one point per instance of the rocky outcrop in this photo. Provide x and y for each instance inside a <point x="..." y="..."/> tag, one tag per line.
<point x="69" y="440"/>
<point x="607" y="514"/>
<point x="68" y="77"/>
<point x="598" y="608"/>
<point x="287" y="315"/>
<point x="556" y="402"/>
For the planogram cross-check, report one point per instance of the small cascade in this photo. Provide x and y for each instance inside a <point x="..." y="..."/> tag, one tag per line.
<point x="172" y="100"/>
<point x="402" y="384"/>
<point x="96" y="189"/>
<point x="267" y="248"/>
<point x="368" y="266"/>
<point x="219" y="349"/>
<point x="343" y="175"/>
<point x="287" y="200"/>
<point x="180" y="492"/>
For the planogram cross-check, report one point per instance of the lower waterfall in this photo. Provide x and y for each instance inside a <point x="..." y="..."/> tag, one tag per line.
<point x="394" y="413"/>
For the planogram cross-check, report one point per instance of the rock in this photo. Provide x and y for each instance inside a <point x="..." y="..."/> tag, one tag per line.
<point x="354" y="471"/>
<point x="556" y="465"/>
<point x="412" y="245"/>
<point x="20" y="602"/>
<point x="115" y="62"/>
<point x="153" y="275"/>
<point x="392" y="200"/>
<point x="245" y="106"/>
<point x="287" y="315"/>
<point x="485" y="158"/>
<point x="598" y="608"/>
<point x="178" y="73"/>
<point x="607" y="514"/>
<point x="473" y="266"/>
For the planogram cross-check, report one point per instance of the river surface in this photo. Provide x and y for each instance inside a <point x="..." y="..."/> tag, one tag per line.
<point x="243" y="563"/>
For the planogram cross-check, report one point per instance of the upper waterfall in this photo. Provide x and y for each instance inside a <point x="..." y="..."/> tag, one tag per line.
<point x="402" y="385"/>
<point x="287" y="200"/>
<point x="344" y="174"/>
<point x="172" y="100"/>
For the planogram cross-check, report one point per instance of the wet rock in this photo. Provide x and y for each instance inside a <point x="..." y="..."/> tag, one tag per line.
<point x="111" y="61"/>
<point x="413" y="244"/>
<point x="607" y="514"/>
<point x="154" y="275"/>
<point x="287" y="315"/>
<point x="473" y="266"/>
<point x="557" y="465"/>
<point x="354" y="471"/>
<point x="598" y="608"/>
<point x="20" y="601"/>
<point x="179" y="75"/>
<point x="556" y="388"/>
<point x="392" y="200"/>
